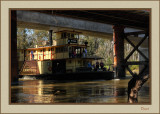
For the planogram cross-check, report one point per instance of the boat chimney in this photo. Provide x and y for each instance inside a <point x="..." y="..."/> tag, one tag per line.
<point x="50" y="37"/>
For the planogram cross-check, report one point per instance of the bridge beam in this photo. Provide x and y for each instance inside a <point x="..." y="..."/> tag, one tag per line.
<point x="118" y="38"/>
<point x="144" y="60"/>
<point x="42" y="21"/>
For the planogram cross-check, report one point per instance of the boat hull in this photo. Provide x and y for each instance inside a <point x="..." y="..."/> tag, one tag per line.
<point x="105" y="75"/>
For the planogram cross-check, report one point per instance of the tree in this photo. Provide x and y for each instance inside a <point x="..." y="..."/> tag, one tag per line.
<point x="134" y="85"/>
<point x="100" y="47"/>
<point x="28" y="38"/>
<point x="22" y="38"/>
<point x="40" y="36"/>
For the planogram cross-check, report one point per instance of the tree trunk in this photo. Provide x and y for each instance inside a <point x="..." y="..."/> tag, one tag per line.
<point x="134" y="85"/>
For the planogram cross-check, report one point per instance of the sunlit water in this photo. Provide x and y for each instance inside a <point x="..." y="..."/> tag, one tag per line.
<point x="100" y="91"/>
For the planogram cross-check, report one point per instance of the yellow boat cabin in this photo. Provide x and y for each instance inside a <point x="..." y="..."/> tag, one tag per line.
<point x="67" y="54"/>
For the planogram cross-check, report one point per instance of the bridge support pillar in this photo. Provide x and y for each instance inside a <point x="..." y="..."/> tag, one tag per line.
<point x="13" y="47"/>
<point x="50" y="37"/>
<point x="118" y="38"/>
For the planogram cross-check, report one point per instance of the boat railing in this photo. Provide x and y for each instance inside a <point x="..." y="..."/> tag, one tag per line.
<point x="37" y="57"/>
<point x="70" y="69"/>
<point x="77" y="55"/>
<point x="84" y="69"/>
<point x="68" y="41"/>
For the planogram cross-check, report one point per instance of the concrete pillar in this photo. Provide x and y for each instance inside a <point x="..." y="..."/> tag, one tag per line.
<point x="118" y="38"/>
<point x="14" y="62"/>
<point x="50" y="37"/>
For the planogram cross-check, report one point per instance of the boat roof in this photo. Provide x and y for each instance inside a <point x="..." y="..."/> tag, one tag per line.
<point x="69" y="31"/>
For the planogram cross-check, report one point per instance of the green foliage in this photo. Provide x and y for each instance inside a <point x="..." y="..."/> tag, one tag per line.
<point x="100" y="47"/>
<point x="133" y="67"/>
<point x="109" y="61"/>
<point x="28" y="38"/>
<point x="40" y="36"/>
<point x="23" y="39"/>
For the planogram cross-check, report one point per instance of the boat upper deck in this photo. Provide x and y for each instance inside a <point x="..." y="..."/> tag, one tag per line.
<point x="67" y="44"/>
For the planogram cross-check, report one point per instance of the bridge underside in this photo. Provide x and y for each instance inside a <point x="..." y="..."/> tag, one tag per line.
<point x="36" y="20"/>
<point x="55" y="21"/>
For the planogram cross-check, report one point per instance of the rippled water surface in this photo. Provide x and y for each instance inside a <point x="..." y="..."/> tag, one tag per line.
<point x="100" y="91"/>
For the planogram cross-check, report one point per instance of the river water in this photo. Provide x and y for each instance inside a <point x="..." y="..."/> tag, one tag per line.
<point x="99" y="91"/>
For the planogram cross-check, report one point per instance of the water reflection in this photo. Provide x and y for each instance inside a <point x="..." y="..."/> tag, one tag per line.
<point x="39" y="91"/>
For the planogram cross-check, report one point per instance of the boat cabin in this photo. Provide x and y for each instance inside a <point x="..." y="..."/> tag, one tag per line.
<point x="67" y="54"/>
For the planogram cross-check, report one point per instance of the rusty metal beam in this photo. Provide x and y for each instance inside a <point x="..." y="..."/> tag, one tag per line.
<point x="137" y="63"/>
<point x="135" y="48"/>
<point x="141" y="72"/>
<point x="129" y="70"/>
<point x="145" y="67"/>
<point x="135" y="33"/>
<point x="118" y="38"/>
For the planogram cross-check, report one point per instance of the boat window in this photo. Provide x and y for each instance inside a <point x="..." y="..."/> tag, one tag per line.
<point x="68" y="35"/>
<point x="70" y="61"/>
<point x="57" y="50"/>
<point x="78" y="51"/>
<point x="76" y="36"/>
<point x="52" y="49"/>
<point x="72" y="35"/>
<point x="62" y="48"/>
<point x="40" y="50"/>
<point x="84" y="63"/>
<point x="79" y="62"/>
<point x="63" y="35"/>
<point x="65" y="49"/>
